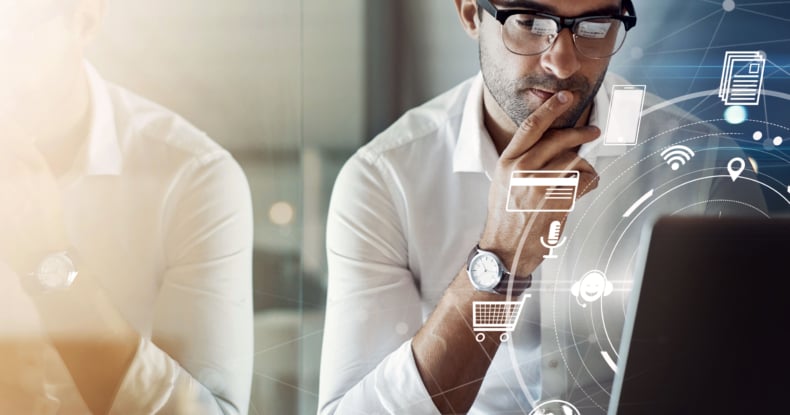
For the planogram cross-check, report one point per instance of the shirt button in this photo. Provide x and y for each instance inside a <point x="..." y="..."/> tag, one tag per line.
<point x="553" y="363"/>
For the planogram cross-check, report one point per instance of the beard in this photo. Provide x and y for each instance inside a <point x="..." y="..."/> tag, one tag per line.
<point x="511" y="94"/>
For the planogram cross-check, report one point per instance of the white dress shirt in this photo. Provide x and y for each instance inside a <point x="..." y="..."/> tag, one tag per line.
<point x="409" y="206"/>
<point x="161" y="217"/>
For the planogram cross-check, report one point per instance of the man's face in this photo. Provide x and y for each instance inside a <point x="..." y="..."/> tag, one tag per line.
<point x="42" y="55"/>
<point x="520" y="84"/>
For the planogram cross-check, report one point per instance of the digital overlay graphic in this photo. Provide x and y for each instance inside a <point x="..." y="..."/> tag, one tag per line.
<point x="557" y="189"/>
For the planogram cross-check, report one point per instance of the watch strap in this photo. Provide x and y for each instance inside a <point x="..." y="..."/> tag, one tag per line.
<point x="520" y="284"/>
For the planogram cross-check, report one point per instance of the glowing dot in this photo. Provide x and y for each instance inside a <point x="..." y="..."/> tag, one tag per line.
<point x="778" y="141"/>
<point x="281" y="213"/>
<point x="675" y="166"/>
<point x="637" y="53"/>
<point x="728" y="5"/>
<point x="401" y="328"/>
<point x="757" y="136"/>
<point x="735" y="114"/>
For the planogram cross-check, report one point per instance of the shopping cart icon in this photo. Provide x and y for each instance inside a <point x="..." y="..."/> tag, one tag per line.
<point x="496" y="316"/>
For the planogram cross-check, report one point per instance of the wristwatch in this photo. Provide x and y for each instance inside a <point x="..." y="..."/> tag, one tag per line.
<point x="54" y="273"/>
<point x="488" y="273"/>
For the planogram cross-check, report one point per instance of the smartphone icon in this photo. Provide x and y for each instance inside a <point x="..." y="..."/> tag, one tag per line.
<point x="625" y="113"/>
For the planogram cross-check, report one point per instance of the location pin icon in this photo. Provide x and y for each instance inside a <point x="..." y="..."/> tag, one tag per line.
<point x="735" y="167"/>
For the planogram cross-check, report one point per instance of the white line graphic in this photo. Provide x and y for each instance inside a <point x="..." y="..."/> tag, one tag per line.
<point x="638" y="203"/>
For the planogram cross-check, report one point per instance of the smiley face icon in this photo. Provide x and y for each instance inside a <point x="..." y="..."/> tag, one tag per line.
<point x="591" y="287"/>
<point x="555" y="407"/>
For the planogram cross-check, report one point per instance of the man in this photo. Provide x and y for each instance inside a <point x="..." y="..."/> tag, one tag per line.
<point x="125" y="250"/>
<point x="409" y="207"/>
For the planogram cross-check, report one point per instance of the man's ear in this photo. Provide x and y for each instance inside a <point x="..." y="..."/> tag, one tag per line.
<point x="470" y="19"/>
<point x="87" y="18"/>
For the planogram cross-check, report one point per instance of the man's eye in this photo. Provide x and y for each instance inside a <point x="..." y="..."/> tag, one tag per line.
<point x="525" y="23"/>
<point x="542" y="27"/>
<point x="593" y="30"/>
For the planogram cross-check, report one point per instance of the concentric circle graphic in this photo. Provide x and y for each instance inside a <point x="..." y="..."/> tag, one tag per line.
<point x="585" y="315"/>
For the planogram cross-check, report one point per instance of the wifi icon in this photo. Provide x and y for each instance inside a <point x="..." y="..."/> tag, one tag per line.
<point x="677" y="156"/>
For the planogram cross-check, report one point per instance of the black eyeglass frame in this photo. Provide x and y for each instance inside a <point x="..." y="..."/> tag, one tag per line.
<point x="501" y="15"/>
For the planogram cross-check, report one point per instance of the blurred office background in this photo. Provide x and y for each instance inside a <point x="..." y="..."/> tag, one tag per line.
<point x="234" y="69"/>
<point x="293" y="88"/>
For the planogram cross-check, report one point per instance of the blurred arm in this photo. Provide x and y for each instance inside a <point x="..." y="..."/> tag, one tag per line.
<point x="199" y="359"/>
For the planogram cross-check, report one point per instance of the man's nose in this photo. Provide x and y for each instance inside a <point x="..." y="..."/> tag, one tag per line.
<point x="561" y="59"/>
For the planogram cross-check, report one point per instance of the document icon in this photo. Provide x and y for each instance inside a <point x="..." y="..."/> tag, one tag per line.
<point x="742" y="78"/>
<point x="556" y="188"/>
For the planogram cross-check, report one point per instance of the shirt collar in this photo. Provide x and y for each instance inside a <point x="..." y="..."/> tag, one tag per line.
<point x="475" y="151"/>
<point x="102" y="152"/>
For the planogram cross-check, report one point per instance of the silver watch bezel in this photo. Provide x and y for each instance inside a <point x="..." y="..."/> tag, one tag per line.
<point x="62" y="279"/>
<point x="501" y="271"/>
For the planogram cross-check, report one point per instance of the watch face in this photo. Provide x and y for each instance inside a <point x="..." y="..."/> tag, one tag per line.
<point x="56" y="272"/>
<point x="485" y="271"/>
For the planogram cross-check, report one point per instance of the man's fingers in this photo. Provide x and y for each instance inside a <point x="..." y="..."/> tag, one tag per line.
<point x="557" y="142"/>
<point x="533" y="128"/>
<point x="569" y="160"/>
<point x="588" y="177"/>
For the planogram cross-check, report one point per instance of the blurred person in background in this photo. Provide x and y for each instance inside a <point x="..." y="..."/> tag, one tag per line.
<point x="125" y="237"/>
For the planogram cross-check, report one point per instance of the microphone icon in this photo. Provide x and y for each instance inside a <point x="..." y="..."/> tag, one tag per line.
<point x="554" y="239"/>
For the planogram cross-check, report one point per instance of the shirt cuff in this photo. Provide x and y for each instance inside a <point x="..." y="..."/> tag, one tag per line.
<point x="148" y="382"/>
<point x="399" y="385"/>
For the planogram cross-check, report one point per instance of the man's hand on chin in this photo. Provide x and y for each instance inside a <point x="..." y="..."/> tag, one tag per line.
<point x="535" y="146"/>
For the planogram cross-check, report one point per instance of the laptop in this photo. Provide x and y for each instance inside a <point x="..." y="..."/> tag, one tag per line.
<point x="708" y="330"/>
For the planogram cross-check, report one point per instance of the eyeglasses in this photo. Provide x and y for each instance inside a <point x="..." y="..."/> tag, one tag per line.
<point x="529" y="32"/>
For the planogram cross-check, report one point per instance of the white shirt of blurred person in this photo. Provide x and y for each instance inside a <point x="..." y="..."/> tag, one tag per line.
<point x="408" y="208"/>
<point x="156" y="216"/>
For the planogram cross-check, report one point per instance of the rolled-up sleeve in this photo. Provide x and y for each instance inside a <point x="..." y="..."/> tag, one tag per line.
<point x="373" y="306"/>
<point x="199" y="357"/>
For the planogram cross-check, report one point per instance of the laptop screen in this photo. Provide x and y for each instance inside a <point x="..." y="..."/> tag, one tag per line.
<point x="707" y="332"/>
